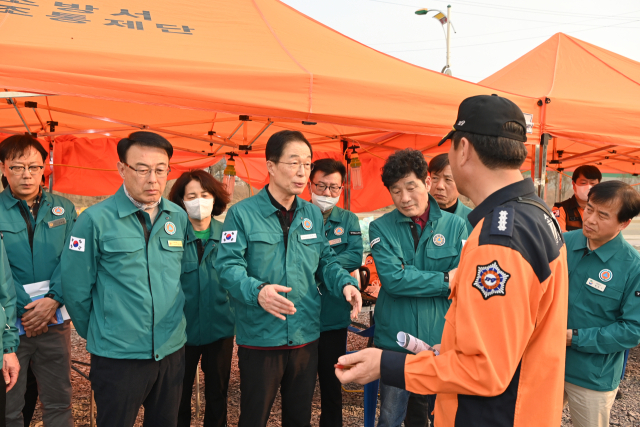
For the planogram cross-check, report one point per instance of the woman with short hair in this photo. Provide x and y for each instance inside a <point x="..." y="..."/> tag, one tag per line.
<point x="210" y="320"/>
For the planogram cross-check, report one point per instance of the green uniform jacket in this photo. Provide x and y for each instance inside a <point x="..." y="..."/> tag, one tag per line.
<point x="207" y="307"/>
<point x="414" y="297"/>
<point x="463" y="212"/>
<point x="51" y="234"/>
<point x="124" y="296"/>
<point x="608" y="321"/>
<point x="342" y="229"/>
<point x="9" y="339"/>
<point x="252" y="252"/>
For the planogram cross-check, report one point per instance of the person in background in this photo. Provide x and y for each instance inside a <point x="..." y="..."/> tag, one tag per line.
<point x="36" y="226"/>
<point x="444" y="190"/>
<point x="342" y="229"/>
<point x="604" y="302"/>
<point x="121" y="273"/>
<point x="569" y="213"/>
<point x="416" y="248"/>
<point x="272" y="255"/>
<point x="503" y="346"/>
<point x="210" y="319"/>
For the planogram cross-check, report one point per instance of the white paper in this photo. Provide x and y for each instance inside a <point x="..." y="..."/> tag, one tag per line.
<point x="413" y="344"/>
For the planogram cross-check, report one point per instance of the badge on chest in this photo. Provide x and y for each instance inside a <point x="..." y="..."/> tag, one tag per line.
<point x="596" y="285"/>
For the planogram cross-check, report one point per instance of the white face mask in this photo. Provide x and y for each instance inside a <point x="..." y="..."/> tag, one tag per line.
<point x="324" y="202"/>
<point x="199" y="208"/>
<point x="582" y="191"/>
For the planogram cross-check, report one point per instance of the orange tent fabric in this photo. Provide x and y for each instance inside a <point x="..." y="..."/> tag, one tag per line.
<point x="214" y="76"/>
<point x="592" y="101"/>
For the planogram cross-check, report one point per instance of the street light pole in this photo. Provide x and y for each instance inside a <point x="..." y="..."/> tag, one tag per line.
<point x="447" y="69"/>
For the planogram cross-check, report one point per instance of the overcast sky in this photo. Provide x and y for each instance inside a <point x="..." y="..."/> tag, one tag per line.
<point x="489" y="35"/>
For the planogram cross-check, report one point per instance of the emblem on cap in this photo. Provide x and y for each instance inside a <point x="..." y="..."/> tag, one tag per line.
<point x="605" y="275"/>
<point x="58" y="210"/>
<point x="170" y="228"/>
<point x="438" y="240"/>
<point x="339" y="231"/>
<point x="307" y="224"/>
<point x="491" y="280"/>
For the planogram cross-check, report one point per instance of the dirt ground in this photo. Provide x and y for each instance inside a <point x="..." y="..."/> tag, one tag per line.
<point x="625" y="412"/>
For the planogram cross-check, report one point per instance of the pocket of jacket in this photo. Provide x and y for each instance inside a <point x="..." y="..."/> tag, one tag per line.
<point x="123" y="244"/>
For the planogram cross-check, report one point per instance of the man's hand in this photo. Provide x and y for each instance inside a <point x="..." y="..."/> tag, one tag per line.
<point x="366" y="369"/>
<point x="275" y="304"/>
<point x="39" y="330"/>
<point x="437" y="348"/>
<point x="569" y="337"/>
<point x="10" y="369"/>
<point x="452" y="274"/>
<point x="38" y="312"/>
<point x="353" y="297"/>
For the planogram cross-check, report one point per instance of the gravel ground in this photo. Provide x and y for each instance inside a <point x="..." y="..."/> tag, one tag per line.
<point x="625" y="412"/>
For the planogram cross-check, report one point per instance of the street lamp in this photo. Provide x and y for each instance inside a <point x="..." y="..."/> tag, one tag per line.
<point x="440" y="16"/>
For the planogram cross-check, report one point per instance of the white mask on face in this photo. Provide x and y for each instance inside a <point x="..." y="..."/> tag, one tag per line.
<point x="324" y="202"/>
<point x="199" y="208"/>
<point x="582" y="191"/>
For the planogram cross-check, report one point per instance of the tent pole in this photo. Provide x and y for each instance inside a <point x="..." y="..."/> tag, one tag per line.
<point x="347" y="188"/>
<point x="13" y="101"/>
<point x="542" y="164"/>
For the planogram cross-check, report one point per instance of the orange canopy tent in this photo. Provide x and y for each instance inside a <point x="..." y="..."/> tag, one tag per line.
<point x="212" y="77"/>
<point x="590" y="102"/>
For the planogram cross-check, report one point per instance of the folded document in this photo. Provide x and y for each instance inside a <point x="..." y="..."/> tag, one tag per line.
<point x="36" y="291"/>
<point x="413" y="344"/>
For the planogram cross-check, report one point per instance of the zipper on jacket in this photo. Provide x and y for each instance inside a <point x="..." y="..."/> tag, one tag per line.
<point x="416" y="237"/>
<point x="143" y="223"/>
<point x="200" y="250"/>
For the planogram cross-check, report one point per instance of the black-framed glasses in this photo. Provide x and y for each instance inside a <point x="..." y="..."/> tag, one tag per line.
<point x="296" y="165"/>
<point x="19" y="170"/>
<point x="145" y="171"/>
<point x="333" y="188"/>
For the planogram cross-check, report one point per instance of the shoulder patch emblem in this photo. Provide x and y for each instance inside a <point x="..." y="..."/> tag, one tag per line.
<point x="170" y="228"/>
<point x="556" y="212"/>
<point x="552" y="223"/>
<point x="355" y="233"/>
<point x="438" y="240"/>
<point x="605" y="275"/>
<point x="491" y="280"/>
<point x="307" y="224"/>
<point x="229" y="236"/>
<point x="76" y="244"/>
<point x="502" y="223"/>
<point x="339" y="231"/>
<point x="374" y="241"/>
<point x="58" y="210"/>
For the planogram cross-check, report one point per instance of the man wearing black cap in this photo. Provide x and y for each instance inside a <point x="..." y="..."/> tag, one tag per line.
<point x="502" y="351"/>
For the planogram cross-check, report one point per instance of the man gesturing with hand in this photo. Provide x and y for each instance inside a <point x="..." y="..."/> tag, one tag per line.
<point x="273" y="255"/>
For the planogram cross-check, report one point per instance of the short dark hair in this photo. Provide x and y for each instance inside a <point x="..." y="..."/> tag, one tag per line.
<point x="208" y="183"/>
<point x="609" y="191"/>
<point x="328" y="167"/>
<point x="402" y="163"/>
<point x="438" y="163"/>
<point x="278" y="142"/>
<point x="497" y="152"/>
<point x="144" y="139"/>
<point x="16" y="146"/>
<point x="588" y="171"/>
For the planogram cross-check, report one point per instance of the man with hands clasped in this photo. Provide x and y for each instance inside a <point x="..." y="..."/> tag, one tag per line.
<point x="273" y="252"/>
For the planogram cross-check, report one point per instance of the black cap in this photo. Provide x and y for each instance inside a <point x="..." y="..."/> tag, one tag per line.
<point x="486" y="115"/>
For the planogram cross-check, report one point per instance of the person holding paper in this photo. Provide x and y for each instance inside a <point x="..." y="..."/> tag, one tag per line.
<point x="416" y="248"/>
<point x="121" y="277"/>
<point x="604" y="302"/>
<point x="501" y="361"/>
<point x="36" y="226"/>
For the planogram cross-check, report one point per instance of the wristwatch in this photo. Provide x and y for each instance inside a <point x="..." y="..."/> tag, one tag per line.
<point x="50" y="295"/>
<point x="262" y="286"/>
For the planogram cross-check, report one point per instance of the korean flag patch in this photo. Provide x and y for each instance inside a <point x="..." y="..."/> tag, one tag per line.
<point x="229" y="236"/>
<point x="491" y="280"/>
<point x="76" y="244"/>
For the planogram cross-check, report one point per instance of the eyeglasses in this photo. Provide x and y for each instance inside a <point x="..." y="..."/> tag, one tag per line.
<point x="144" y="171"/>
<point x="322" y="187"/>
<point x="296" y="165"/>
<point x="19" y="170"/>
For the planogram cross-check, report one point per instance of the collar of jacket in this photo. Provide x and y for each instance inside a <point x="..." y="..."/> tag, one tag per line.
<point x="500" y="197"/>
<point x="604" y="252"/>
<point x="335" y="216"/>
<point x="435" y="212"/>
<point x="126" y="208"/>
<point x="266" y="207"/>
<point x="215" y="231"/>
<point x="10" y="201"/>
